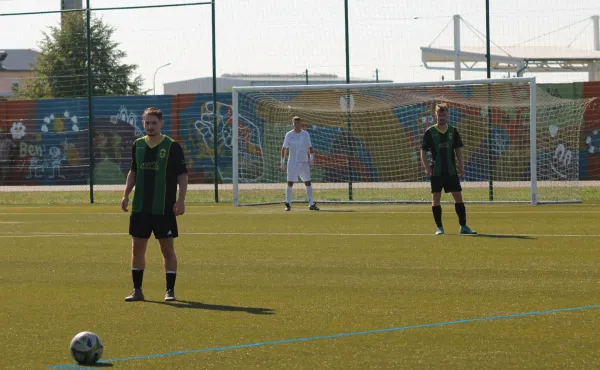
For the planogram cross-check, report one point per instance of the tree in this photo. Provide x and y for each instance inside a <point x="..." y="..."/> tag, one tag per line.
<point x="61" y="68"/>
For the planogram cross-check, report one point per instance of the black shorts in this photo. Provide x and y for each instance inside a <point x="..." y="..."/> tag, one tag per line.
<point x="142" y="225"/>
<point x="450" y="184"/>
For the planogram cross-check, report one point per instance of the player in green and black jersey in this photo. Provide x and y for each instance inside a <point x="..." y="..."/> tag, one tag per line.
<point x="157" y="169"/>
<point x="444" y="143"/>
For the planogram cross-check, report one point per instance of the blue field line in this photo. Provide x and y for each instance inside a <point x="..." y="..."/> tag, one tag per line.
<point x="340" y="335"/>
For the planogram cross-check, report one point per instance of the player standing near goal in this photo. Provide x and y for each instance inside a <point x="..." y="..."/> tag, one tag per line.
<point x="444" y="143"/>
<point x="157" y="168"/>
<point x="301" y="156"/>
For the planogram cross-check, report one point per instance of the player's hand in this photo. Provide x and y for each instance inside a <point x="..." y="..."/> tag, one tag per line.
<point x="461" y="171"/>
<point x="428" y="171"/>
<point x="179" y="207"/>
<point x="282" y="168"/>
<point x="125" y="204"/>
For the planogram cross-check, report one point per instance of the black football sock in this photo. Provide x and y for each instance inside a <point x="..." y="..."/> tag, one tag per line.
<point x="437" y="215"/>
<point x="137" y="276"/>
<point x="171" y="276"/>
<point x="461" y="211"/>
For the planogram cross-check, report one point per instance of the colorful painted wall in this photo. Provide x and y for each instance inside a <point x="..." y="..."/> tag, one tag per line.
<point x="589" y="144"/>
<point x="46" y="142"/>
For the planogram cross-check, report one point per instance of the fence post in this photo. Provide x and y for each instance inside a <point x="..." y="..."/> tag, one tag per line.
<point x="89" y="96"/>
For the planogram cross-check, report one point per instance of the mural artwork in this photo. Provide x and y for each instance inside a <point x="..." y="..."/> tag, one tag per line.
<point x="47" y="142"/>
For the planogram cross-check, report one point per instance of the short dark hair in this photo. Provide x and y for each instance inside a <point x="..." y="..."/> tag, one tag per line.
<point x="154" y="112"/>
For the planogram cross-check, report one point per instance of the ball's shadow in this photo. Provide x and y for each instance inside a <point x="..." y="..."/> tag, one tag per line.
<point x="97" y="364"/>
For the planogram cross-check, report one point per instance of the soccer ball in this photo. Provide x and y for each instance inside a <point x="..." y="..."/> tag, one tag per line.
<point x="86" y="348"/>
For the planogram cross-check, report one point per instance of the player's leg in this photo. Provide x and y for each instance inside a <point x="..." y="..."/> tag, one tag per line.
<point x="167" y="248"/>
<point x="140" y="230"/>
<point x="309" y="194"/>
<point x="292" y="177"/>
<point x="453" y="186"/>
<point x="288" y="196"/>
<point x="304" y="173"/>
<point x="436" y="208"/>
<point x="165" y="230"/>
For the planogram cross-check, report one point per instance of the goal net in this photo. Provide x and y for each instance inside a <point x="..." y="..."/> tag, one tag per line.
<point x="520" y="143"/>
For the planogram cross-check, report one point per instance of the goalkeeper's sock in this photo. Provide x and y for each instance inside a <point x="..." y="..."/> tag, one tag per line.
<point x="437" y="215"/>
<point x="461" y="211"/>
<point x="309" y="195"/>
<point x="288" y="195"/>
<point x="137" y="276"/>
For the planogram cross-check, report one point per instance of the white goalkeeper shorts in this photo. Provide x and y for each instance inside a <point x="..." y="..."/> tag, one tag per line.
<point x="295" y="170"/>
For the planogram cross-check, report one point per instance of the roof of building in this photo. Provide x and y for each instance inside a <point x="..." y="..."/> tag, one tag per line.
<point x="274" y="79"/>
<point x="281" y="76"/>
<point x="536" y="59"/>
<point x="18" y="59"/>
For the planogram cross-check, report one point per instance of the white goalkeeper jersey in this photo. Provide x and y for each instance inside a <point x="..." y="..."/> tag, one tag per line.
<point x="297" y="144"/>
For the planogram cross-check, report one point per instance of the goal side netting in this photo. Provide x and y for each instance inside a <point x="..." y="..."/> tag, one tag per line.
<point x="520" y="143"/>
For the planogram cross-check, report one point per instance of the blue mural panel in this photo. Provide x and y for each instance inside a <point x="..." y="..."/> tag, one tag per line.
<point x="57" y="147"/>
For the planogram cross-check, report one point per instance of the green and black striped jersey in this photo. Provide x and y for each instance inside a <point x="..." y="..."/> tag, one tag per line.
<point x="442" y="146"/>
<point x="156" y="171"/>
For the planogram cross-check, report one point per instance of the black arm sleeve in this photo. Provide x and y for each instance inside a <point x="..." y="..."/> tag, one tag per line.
<point x="177" y="159"/>
<point x="457" y="140"/>
<point x="426" y="141"/>
<point x="133" y="160"/>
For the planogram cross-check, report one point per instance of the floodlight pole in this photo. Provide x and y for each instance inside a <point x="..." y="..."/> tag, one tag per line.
<point x="348" y="114"/>
<point x="594" y="65"/>
<point x="214" y="97"/>
<point x="88" y="14"/>
<point x="489" y="109"/>
<point x="457" y="67"/>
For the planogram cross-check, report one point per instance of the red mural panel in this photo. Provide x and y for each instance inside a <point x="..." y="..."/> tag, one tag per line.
<point x="17" y="119"/>
<point x="180" y="103"/>
<point x="3" y="121"/>
<point x="180" y="126"/>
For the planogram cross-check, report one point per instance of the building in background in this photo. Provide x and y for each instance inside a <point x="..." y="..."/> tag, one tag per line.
<point x="226" y="82"/>
<point x="70" y="5"/>
<point x="16" y="66"/>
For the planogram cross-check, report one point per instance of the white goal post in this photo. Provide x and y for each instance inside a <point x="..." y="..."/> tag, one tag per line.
<point x="520" y="142"/>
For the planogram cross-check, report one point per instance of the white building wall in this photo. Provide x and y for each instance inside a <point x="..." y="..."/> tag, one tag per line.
<point x="226" y="84"/>
<point x="204" y="85"/>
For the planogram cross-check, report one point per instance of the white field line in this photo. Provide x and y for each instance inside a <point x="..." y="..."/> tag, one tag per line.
<point x="8" y="234"/>
<point x="271" y="212"/>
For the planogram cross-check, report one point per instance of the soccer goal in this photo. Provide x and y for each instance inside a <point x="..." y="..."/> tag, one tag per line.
<point x="521" y="144"/>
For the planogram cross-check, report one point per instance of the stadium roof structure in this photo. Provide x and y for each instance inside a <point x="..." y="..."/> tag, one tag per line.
<point x="516" y="59"/>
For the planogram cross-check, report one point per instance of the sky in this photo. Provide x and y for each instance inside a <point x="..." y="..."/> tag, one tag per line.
<point x="291" y="36"/>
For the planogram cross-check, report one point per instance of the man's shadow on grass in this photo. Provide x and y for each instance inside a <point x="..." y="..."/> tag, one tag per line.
<point x="216" y="307"/>
<point x="500" y="236"/>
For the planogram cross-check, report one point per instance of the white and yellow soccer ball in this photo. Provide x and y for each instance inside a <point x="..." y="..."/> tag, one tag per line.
<point x="86" y="348"/>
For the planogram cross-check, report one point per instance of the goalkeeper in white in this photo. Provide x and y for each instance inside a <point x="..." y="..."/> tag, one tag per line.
<point x="301" y="156"/>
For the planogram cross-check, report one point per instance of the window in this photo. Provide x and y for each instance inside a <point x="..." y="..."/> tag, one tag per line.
<point x="16" y="84"/>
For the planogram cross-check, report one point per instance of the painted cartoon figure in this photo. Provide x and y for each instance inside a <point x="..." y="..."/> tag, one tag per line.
<point x="35" y="165"/>
<point x="56" y="161"/>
